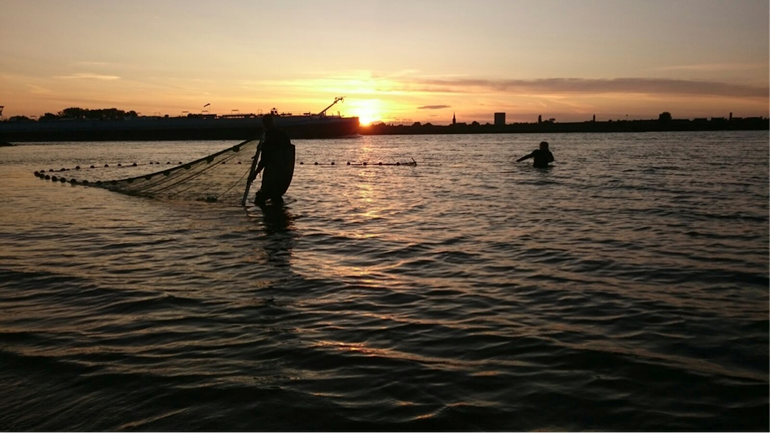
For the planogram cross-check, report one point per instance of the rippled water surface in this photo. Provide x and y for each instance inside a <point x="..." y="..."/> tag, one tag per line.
<point x="626" y="288"/>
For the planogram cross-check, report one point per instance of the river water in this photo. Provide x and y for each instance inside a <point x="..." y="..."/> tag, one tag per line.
<point x="626" y="288"/>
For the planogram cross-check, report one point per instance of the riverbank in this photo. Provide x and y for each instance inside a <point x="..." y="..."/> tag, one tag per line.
<point x="676" y="125"/>
<point x="329" y="127"/>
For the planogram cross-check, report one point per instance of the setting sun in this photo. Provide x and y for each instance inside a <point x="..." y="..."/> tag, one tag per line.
<point x="367" y="110"/>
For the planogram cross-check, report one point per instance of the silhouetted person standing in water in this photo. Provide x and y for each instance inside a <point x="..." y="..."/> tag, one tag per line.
<point x="542" y="156"/>
<point x="277" y="160"/>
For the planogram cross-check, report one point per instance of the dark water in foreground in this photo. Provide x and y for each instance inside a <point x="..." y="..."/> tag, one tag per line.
<point x="624" y="289"/>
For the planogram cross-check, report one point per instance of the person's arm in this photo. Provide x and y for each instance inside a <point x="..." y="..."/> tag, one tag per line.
<point x="550" y="157"/>
<point x="261" y="164"/>
<point x="531" y="155"/>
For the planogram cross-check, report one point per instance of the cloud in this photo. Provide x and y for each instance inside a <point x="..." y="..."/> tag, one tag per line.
<point x="713" y="67"/>
<point x="596" y="86"/>
<point x="38" y="90"/>
<point x="88" y="76"/>
<point x="97" y="64"/>
<point x="433" y="107"/>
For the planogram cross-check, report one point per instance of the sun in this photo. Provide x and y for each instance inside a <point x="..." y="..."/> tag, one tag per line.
<point x="365" y="120"/>
<point x="367" y="111"/>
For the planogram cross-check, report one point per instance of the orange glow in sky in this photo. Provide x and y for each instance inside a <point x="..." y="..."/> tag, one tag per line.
<point x="397" y="61"/>
<point x="367" y="110"/>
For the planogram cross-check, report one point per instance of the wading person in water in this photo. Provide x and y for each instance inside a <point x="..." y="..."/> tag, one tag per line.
<point x="277" y="159"/>
<point x="542" y="156"/>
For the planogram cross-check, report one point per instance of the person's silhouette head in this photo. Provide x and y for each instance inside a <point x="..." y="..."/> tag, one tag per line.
<point x="268" y="122"/>
<point x="543" y="145"/>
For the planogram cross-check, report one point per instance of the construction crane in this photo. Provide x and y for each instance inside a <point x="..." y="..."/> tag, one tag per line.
<point x="336" y="100"/>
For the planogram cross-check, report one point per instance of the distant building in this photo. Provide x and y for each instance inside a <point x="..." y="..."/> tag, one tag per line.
<point x="499" y="119"/>
<point x="454" y="119"/>
<point x="540" y="119"/>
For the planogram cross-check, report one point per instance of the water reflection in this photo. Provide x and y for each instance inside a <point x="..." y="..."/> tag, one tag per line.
<point x="366" y="193"/>
<point x="613" y="292"/>
<point x="281" y="234"/>
<point x="277" y="219"/>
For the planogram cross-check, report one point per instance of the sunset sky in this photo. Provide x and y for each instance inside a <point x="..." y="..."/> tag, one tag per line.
<point x="395" y="61"/>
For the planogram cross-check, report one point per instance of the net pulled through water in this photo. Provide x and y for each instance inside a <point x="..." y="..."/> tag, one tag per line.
<point x="220" y="176"/>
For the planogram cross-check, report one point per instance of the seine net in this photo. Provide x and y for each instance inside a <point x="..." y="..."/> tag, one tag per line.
<point x="219" y="177"/>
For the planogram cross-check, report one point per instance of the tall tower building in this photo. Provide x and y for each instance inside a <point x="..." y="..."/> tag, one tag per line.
<point x="454" y="119"/>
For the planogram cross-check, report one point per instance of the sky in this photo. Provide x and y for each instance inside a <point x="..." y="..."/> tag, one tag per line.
<point x="393" y="61"/>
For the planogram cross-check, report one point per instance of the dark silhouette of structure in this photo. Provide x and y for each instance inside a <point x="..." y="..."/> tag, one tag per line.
<point x="77" y="124"/>
<point x="662" y="124"/>
<point x="111" y="124"/>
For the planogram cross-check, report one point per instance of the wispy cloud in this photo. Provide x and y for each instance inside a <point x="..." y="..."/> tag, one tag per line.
<point x="594" y="86"/>
<point x="433" y="107"/>
<point x="38" y="90"/>
<point x="710" y="67"/>
<point x="88" y="76"/>
<point x="97" y="64"/>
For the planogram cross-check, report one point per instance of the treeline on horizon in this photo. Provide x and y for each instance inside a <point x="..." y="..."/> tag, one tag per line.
<point x="663" y="117"/>
<point x="664" y="122"/>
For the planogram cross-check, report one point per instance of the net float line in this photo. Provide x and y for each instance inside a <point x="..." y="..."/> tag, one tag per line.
<point x="42" y="173"/>
<point x="411" y="163"/>
<point x="103" y="166"/>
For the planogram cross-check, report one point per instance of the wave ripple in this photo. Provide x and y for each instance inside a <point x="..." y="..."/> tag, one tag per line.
<point x="624" y="289"/>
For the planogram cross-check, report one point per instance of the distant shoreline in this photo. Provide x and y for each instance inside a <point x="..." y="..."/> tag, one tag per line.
<point x="748" y="124"/>
<point x="201" y="129"/>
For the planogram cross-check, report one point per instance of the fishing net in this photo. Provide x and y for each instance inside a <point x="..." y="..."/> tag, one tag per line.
<point x="217" y="177"/>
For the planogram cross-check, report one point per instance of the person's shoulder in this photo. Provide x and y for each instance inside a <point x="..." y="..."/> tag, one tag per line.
<point x="283" y="135"/>
<point x="276" y="134"/>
